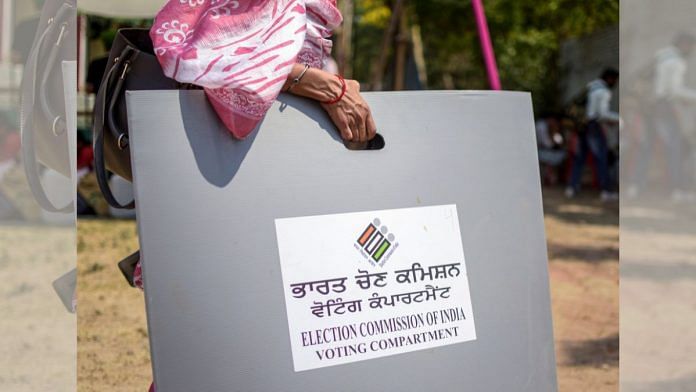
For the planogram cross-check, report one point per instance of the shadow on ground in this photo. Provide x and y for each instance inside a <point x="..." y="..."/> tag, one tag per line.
<point x="586" y="208"/>
<point x="593" y="352"/>
<point x="583" y="246"/>
<point x="601" y="254"/>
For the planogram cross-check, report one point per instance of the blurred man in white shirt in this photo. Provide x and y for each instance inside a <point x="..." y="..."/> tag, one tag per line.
<point x="670" y="89"/>
<point x="670" y="70"/>
<point x="592" y="139"/>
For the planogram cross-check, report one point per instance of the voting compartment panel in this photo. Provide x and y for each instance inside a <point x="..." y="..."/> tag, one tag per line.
<point x="286" y="262"/>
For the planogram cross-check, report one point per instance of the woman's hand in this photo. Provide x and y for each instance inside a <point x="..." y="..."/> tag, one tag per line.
<point x="350" y="114"/>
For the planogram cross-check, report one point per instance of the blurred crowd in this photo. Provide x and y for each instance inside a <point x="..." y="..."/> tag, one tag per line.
<point x="583" y="136"/>
<point x="659" y="140"/>
<point x="580" y="145"/>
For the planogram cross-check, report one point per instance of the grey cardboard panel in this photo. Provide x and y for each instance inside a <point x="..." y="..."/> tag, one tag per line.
<point x="206" y="206"/>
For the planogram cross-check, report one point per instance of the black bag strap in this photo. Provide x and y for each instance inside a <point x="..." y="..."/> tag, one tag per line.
<point x="110" y="90"/>
<point x="29" y="160"/>
<point x="128" y="55"/>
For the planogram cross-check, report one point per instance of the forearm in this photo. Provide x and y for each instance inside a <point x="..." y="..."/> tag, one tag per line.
<point x="315" y="84"/>
<point x="608" y="115"/>
<point x="605" y="114"/>
<point x="341" y="100"/>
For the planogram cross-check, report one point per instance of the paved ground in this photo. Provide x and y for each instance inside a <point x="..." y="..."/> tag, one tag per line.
<point x="583" y="250"/>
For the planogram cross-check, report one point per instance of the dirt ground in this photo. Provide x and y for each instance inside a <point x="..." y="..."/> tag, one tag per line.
<point x="583" y="244"/>
<point x="37" y="333"/>
<point x="658" y="282"/>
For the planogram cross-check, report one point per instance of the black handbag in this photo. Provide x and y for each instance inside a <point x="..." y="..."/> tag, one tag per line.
<point x="132" y="65"/>
<point x="45" y="138"/>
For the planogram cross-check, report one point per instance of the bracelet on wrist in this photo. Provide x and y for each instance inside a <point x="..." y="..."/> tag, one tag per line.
<point x="340" y="96"/>
<point x="299" y="77"/>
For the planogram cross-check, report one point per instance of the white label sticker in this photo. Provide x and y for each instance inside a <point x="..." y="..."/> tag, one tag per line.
<point x="366" y="285"/>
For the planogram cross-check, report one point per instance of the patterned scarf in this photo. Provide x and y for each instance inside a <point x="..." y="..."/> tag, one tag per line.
<point x="241" y="51"/>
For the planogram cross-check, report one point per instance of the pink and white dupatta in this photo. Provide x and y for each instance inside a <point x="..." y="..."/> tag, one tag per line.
<point x="241" y="51"/>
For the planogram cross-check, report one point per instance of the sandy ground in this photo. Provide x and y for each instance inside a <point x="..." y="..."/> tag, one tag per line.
<point x="583" y="251"/>
<point x="658" y="303"/>
<point x="583" y="245"/>
<point x="37" y="333"/>
<point x="113" y="349"/>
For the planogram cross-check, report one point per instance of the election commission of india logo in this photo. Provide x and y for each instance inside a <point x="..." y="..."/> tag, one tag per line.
<point x="376" y="243"/>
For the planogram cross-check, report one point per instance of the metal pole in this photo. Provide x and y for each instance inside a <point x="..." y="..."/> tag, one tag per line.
<point x="486" y="46"/>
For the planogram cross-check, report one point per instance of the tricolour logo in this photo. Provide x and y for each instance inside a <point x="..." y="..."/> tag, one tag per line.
<point x="376" y="243"/>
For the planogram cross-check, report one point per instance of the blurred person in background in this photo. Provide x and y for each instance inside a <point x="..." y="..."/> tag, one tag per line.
<point x="10" y="145"/>
<point x="637" y="142"/>
<point x="85" y="158"/>
<point x="592" y="139"/>
<point x="16" y="199"/>
<point x="670" y="90"/>
<point x="550" y="142"/>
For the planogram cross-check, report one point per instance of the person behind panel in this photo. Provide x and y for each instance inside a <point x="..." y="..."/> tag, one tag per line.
<point x="593" y="138"/>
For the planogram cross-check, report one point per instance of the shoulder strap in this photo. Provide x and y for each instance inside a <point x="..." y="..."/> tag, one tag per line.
<point x="110" y="90"/>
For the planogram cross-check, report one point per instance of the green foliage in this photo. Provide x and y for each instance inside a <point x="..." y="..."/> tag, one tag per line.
<point x="375" y="13"/>
<point x="526" y="36"/>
